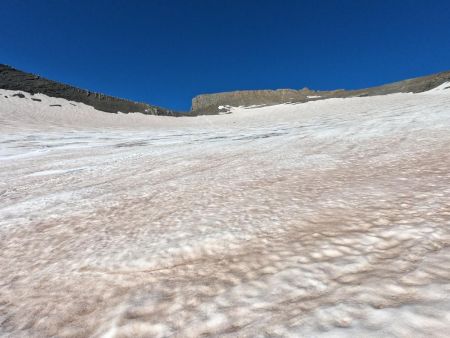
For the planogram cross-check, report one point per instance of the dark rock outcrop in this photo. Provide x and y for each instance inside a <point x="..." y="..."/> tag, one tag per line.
<point x="210" y="103"/>
<point x="14" y="79"/>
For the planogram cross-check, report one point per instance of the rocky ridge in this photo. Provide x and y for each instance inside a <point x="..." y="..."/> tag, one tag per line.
<point x="214" y="103"/>
<point x="13" y="79"/>
<point x="205" y="104"/>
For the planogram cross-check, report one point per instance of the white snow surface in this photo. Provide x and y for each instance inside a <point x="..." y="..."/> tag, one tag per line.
<point x="324" y="219"/>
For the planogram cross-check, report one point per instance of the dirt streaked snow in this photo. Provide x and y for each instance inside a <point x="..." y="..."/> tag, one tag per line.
<point x="324" y="219"/>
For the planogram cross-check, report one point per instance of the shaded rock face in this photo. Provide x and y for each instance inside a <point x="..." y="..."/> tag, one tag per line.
<point x="210" y="103"/>
<point x="14" y="79"/>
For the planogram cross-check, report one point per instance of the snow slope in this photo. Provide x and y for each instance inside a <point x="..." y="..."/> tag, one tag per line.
<point x="324" y="219"/>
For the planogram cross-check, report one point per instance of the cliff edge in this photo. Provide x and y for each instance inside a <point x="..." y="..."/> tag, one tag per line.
<point x="211" y="103"/>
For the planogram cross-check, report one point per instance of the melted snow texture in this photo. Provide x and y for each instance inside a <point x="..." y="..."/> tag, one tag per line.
<point x="329" y="218"/>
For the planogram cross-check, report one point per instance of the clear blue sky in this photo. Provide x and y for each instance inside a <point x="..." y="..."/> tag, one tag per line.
<point x="165" y="52"/>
